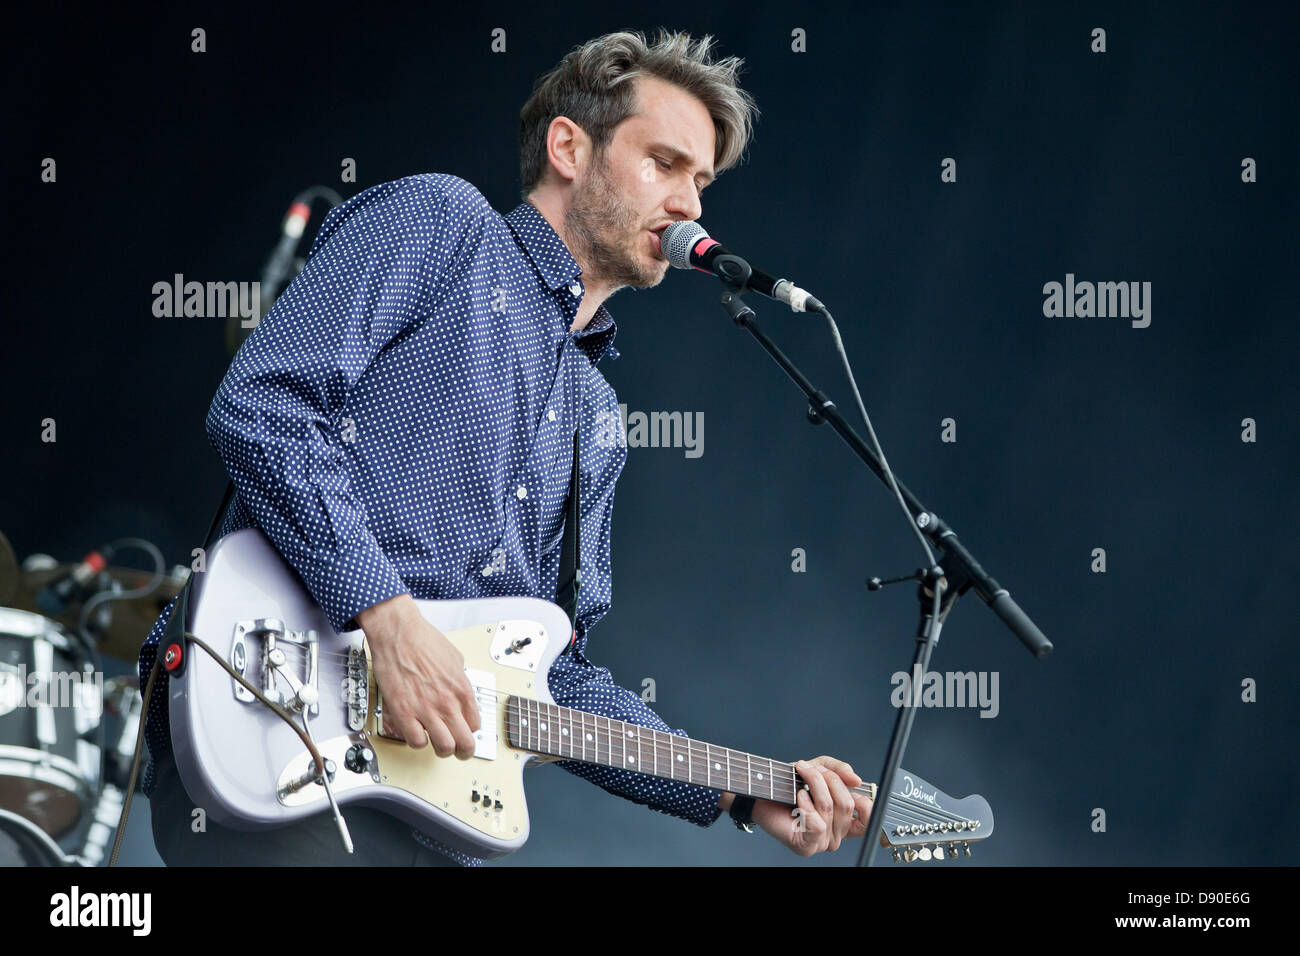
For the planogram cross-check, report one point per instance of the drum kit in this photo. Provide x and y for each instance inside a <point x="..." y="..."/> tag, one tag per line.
<point x="61" y="787"/>
<point x="67" y="735"/>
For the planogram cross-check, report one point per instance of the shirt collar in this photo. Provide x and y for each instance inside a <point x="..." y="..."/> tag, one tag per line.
<point x="558" y="270"/>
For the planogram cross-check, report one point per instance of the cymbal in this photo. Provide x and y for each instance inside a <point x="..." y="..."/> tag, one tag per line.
<point x="8" y="570"/>
<point x="132" y="618"/>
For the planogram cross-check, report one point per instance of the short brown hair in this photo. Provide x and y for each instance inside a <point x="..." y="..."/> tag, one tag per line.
<point x="592" y="86"/>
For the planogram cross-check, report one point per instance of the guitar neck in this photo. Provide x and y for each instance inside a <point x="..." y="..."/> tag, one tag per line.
<point x="569" y="734"/>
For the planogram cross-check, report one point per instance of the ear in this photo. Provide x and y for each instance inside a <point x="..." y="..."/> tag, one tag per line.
<point x="568" y="148"/>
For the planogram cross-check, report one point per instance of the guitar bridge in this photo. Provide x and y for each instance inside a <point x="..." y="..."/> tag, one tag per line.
<point x="356" y="689"/>
<point x="257" y="654"/>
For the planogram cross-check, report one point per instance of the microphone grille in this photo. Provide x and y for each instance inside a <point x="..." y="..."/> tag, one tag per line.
<point x="678" y="240"/>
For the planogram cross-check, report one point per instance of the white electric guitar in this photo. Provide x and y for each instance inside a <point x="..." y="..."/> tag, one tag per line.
<point x="249" y="770"/>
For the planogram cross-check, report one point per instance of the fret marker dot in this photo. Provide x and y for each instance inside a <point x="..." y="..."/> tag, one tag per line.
<point x="564" y="731"/>
<point x="524" y="721"/>
<point x="760" y="776"/>
<point x="541" y="727"/>
<point x="717" y="766"/>
<point x="631" y="760"/>
<point x="629" y="733"/>
<point x="588" y="736"/>
<point x="679" y="758"/>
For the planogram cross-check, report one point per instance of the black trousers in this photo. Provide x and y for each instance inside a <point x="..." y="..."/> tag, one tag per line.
<point x="378" y="839"/>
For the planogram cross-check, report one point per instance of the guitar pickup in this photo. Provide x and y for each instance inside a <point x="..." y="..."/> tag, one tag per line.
<point x="485" y="695"/>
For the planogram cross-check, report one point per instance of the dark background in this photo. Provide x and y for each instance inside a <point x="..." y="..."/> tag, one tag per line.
<point x="1073" y="433"/>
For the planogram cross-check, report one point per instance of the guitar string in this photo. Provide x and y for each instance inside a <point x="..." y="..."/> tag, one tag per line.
<point x="693" y="751"/>
<point x="663" y="748"/>
<point x="896" y="810"/>
<point x="927" y="814"/>
<point x="492" y="693"/>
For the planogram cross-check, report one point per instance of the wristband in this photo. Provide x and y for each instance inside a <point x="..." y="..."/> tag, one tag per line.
<point x="742" y="811"/>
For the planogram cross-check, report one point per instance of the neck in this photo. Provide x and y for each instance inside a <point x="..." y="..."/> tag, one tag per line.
<point x="597" y="289"/>
<point x="570" y="734"/>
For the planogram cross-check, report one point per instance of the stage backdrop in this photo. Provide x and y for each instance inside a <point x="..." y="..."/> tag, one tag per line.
<point x="963" y="186"/>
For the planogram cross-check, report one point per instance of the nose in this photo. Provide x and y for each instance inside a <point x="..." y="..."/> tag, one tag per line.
<point x="684" y="203"/>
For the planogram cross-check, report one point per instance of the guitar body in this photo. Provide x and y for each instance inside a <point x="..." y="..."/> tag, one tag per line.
<point x="236" y="758"/>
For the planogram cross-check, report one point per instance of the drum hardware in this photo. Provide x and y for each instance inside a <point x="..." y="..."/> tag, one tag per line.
<point x="23" y="843"/>
<point x="121" y="609"/>
<point x="121" y="699"/>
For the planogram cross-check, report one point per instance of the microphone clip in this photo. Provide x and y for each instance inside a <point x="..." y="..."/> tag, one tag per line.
<point x="734" y="272"/>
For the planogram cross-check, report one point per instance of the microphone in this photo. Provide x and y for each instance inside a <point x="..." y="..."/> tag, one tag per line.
<point x="73" y="585"/>
<point x="278" y="271"/>
<point x="279" y="264"/>
<point x="687" y="245"/>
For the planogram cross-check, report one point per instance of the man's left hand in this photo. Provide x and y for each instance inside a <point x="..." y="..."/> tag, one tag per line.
<point x="825" y="814"/>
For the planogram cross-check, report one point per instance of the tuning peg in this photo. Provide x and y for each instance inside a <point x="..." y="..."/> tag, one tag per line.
<point x="909" y="854"/>
<point x="952" y="851"/>
<point x="897" y="858"/>
<point x="966" y="848"/>
<point x="938" y="851"/>
<point x="924" y="853"/>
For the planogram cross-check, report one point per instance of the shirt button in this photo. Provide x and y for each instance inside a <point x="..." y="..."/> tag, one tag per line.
<point x="487" y="572"/>
<point x="521" y="492"/>
<point x="550" y="415"/>
<point x="575" y="289"/>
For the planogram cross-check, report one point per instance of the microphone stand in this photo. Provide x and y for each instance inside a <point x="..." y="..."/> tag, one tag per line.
<point x="954" y="574"/>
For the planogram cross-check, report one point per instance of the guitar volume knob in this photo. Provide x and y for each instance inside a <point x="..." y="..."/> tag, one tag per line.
<point x="358" y="758"/>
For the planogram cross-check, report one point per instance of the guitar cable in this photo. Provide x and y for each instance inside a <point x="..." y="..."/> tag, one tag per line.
<point x="139" y="734"/>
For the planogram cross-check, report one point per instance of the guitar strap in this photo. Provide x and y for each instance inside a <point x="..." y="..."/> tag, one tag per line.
<point x="570" y="580"/>
<point x="178" y="624"/>
<point x="221" y="510"/>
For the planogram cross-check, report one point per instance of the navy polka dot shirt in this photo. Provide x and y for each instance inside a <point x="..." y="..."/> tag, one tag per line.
<point x="402" y="420"/>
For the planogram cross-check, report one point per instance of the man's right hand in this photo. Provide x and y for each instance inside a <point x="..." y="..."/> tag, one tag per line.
<point x="422" y="677"/>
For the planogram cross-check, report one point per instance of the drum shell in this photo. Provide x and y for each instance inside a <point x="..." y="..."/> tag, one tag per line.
<point x="52" y="781"/>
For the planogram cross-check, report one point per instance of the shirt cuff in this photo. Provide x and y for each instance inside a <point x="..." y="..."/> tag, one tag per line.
<point x="346" y="584"/>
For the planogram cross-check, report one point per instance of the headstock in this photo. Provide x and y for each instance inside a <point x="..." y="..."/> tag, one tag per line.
<point x="924" y="823"/>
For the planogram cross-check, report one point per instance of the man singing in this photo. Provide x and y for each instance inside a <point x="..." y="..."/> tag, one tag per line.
<point x="401" y="425"/>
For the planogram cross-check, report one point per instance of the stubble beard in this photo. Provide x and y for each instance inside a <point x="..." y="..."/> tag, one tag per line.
<point x="605" y="230"/>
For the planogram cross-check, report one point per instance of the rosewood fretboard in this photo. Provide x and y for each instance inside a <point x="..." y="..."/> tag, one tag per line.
<point x="577" y="735"/>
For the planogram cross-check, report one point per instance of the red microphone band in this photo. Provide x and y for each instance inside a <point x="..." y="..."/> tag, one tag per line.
<point x="703" y="246"/>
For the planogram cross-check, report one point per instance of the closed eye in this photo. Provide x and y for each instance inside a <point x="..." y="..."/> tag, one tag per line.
<point x="667" y="167"/>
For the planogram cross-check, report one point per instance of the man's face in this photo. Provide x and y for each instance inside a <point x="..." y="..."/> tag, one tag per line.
<point x="650" y="175"/>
